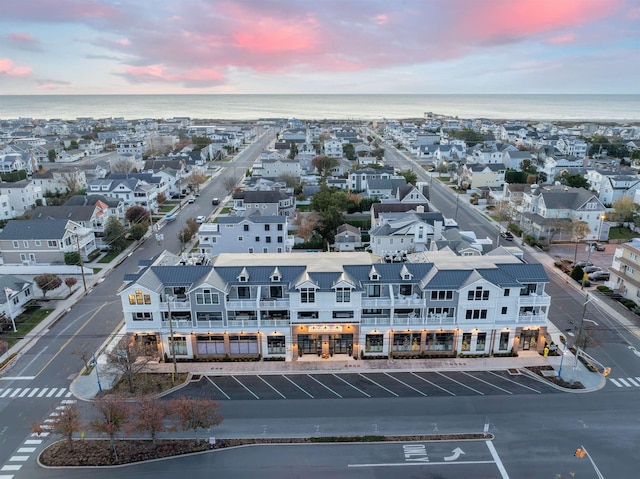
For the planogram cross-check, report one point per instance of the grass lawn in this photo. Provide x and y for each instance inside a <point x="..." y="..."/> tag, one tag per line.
<point x="167" y="208"/>
<point x="25" y="323"/>
<point x="107" y="258"/>
<point x="225" y="211"/>
<point x="96" y="270"/>
<point x="443" y="179"/>
<point x="621" y="233"/>
<point x="303" y="208"/>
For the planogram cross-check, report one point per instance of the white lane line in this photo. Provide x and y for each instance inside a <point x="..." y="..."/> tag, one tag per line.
<point x="637" y="379"/>
<point x="347" y="382"/>
<point x="26" y="450"/>
<point x="249" y="390"/>
<point x="52" y="392"/>
<point x="398" y="464"/>
<point x="433" y="384"/>
<point x="61" y="392"/>
<point x="379" y="385"/>
<point x="515" y="382"/>
<point x="624" y="382"/>
<point x="6" y="476"/>
<point x="486" y="382"/>
<point x="405" y="384"/>
<point x="299" y="387"/>
<point x="10" y="467"/>
<point x="264" y="381"/>
<point x="496" y="458"/>
<point x="324" y="385"/>
<point x="33" y="441"/>
<point x="615" y="382"/>
<point x="18" y="458"/>
<point x="69" y="401"/>
<point x="69" y="394"/>
<point x="17" y="378"/>
<point x="43" y="392"/>
<point x="24" y="392"/>
<point x="217" y="387"/>
<point x="5" y="393"/>
<point x="15" y="392"/>
<point x="33" y="392"/>
<point x="633" y="382"/>
<point x="458" y="382"/>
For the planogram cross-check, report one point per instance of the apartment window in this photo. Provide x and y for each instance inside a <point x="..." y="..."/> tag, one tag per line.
<point x="257" y="239"/>
<point x="246" y="227"/>
<point x="466" y="342"/>
<point x="52" y="244"/>
<point x="38" y="243"/>
<point x="504" y="310"/>
<point x="481" y="341"/>
<point x="25" y="243"/>
<point x="449" y="312"/>
<point x="478" y="295"/>
<point x="507" y="291"/>
<point x="265" y="250"/>
<point x="139" y="298"/>
<point x="476" y="314"/>
<point x="177" y="345"/>
<point x="266" y="227"/>
<point x="244" y="292"/>
<point x="343" y="295"/>
<point x="373" y="290"/>
<point x="143" y="316"/>
<point x="16" y="244"/>
<point x="207" y="297"/>
<point x="441" y="295"/>
<point x="504" y="341"/>
<point x="240" y="238"/>
<point x="307" y="295"/>
<point x="279" y="239"/>
<point x="268" y="239"/>
<point x="23" y="257"/>
<point x="279" y="227"/>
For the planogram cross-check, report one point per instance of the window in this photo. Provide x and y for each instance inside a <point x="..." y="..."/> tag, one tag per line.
<point x="207" y="297"/>
<point x="266" y="227"/>
<point x="406" y="289"/>
<point x="276" y="345"/>
<point x="16" y="244"/>
<point x="374" y="343"/>
<point x="275" y="291"/>
<point x="307" y="295"/>
<point x="449" y="312"/>
<point x="209" y="316"/>
<point x="25" y="243"/>
<point x="504" y="310"/>
<point x="406" y="342"/>
<point x="478" y="295"/>
<point x="373" y="290"/>
<point x="268" y="239"/>
<point x="177" y="346"/>
<point x="210" y="345"/>
<point x="279" y="227"/>
<point x="476" y="314"/>
<point x="439" y="342"/>
<point x="466" y="342"/>
<point x="143" y="316"/>
<point x="23" y="257"/>
<point x="257" y="239"/>
<point x="139" y="298"/>
<point x="244" y="292"/>
<point x="504" y="341"/>
<point x="246" y="227"/>
<point x="240" y="238"/>
<point x="343" y="295"/>
<point x="481" y="341"/>
<point x="279" y="239"/>
<point x="38" y="243"/>
<point x="441" y="295"/>
<point x="52" y="244"/>
<point x="507" y="291"/>
<point x="243" y="344"/>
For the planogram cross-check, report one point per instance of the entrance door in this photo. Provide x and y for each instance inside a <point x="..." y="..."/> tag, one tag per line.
<point x="341" y="343"/>
<point x="528" y="339"/>
<point x="309" y="343"/>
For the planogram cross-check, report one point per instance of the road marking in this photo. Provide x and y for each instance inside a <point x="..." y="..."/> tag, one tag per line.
<point x="497" y="460"/>
<point x="33" y="392"/>
<point x="405" y="384"/>
<point x="10" y="467"/>
<point x="379" y="385"/>
<point x="33" y="441"/>
<point x="396" y="464"/>
<point x="633" y="382"/>
<point x="18" y="458"/>
<point x="250" y="391"/>
<point x="24" y="450"/>
<point x="15" y="392"/>
<point x="217" y="387"/>
<point x="433" y="384"/>
<point x="624" y="382"/>
<point x="461" y="384"/>
<point x="264" y="381"/>
<point x="69" y="401"/>
<point x="52" y="392"/>
<point x="5" y="393"/>
<point x="5" y="476"/>
<point x="42" y="393"/>
<point x="515" y="382"/>
<point x="296" y="385"/>
<point x="486" y="382"/>
<point x="324" y="385"/>
<point x="615" y="382"/>
<point x="17" y="378"/>
<point x="60" y="393"/>
<point x="354" y="387"/>
<point x="24" y="392"/>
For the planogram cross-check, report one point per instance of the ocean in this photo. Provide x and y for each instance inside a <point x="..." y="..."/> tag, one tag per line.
<point x="608" y="108"/>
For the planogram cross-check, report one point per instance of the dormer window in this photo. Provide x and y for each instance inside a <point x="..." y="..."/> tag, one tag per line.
<point x="374" y="277"/>
<point x="243" y="279"/>
<point x="275" y="278"/>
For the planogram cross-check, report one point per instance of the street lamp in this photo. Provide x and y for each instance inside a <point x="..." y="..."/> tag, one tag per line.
<point x="95" y="365"/>
<point x="602" y="217"/>
<point x="562" y="359"/>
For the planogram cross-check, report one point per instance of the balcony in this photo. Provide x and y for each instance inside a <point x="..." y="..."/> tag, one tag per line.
<point x="372" y="303"/>
<point x="268" y="303"/>
<point x="176" y="305"/>
<point x="209" y="324"/>
<point x="535" y="300"/>
<point x="274" y="322"/>
<point x="440" y="319"/>
<point x="178" y="324"/>
<point x="408" y="300"/>
<point x="407" y="320"/>
<point x="242" y="303"/>
<point x="379" y="321"/>
<point x="243" y="323"/>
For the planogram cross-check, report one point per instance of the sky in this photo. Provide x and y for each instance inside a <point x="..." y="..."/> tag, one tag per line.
<point x="319" y="46"/>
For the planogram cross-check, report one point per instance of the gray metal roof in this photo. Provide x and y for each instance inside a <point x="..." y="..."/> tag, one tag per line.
<point x="269" y="219"/>
<point x="448" y="279"/>
<point x="180" y="275"/>
<point x="34" y="229"/>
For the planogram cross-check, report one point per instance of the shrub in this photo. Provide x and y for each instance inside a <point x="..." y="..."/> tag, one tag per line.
<point x="577" y="273"/>
<point x="515" y="229"/>
<point x="604" y="289"/>
<point x="530" y="240"/>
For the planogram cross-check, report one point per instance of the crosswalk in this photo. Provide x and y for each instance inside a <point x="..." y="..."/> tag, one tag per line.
<point x="34" y="393"/>
<point x="625" y="382"/>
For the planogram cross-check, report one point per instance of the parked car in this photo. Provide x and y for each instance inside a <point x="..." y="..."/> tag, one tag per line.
<point x="170" y="217"/>
<point x="599" y="276"/>
<point x="507" y="235"/>
<point x="582" y="264"/>
<point x="191" y="200"/>
<point x="200" y="219"/>
<point x="591" y="269"/>
<point x="215" y="201"/>
<point x="596" y="246"/>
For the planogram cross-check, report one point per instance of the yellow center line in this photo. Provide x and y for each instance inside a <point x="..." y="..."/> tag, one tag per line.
<point x="72" y="337"/>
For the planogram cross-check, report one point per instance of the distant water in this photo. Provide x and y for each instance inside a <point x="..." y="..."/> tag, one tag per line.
<point x="615" y="108"/>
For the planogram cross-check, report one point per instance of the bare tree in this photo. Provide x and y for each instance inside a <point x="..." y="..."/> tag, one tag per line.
<point x="70" y="282"/>
<point x="195" y="179"/>
<point x="308" y="225"/>
<point x="579" y="230"/>
<point x="113" y="414"/>
<point x="291" y="181"/>
<point x="150" y="415"/>
<point x="129" y="357"/>
<point x="67" y="423"/>
<point x="229" y="183"/>
<point x="123" y="165"/>
<point x="196" y="413"/>
<point x="71" y="181"/>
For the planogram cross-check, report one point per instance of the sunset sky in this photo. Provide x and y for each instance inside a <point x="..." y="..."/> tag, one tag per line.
<point x="319" y="46"/>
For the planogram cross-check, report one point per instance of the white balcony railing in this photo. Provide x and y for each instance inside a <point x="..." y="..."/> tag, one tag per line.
<point x="242" y="304"/>
<point x="274" y="322"/>
<point x="178" y="324"/>
<point x="239" y="323"/>
<point x="275" y="303"/>
<point x="176" y="305"/>
<point x="375" y="321"/>
<point x="440" y="319"/>
<point x="408" y="301"/>
<point x="535" y="300"/>
<point x="375" y="302"/>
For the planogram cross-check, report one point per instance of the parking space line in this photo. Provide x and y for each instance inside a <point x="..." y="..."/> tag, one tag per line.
<point x="496" y="458"/>
<point x="379" y="385"/>
<point x="217" y="387"/>
<point x="300" y="388"/>
<point x="461" y="384"/>
<point x="486" y="382"/>
<point x="347" y="382"/>
<point x="249" y="390"/>
<point x="515" y="382"/>
<point x="324" y="385"/>
<point x="281" y="395"/>
<point x="405" y="384"/>
<point x="433" y="384"/>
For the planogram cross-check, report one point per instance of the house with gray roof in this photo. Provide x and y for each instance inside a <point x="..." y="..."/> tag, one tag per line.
<point x="15" y="293"/>
<point x="405" y="232"/>
<point x="347" y="238"/>
<point x="264" y="203"/>
<point x="337" y="304"/>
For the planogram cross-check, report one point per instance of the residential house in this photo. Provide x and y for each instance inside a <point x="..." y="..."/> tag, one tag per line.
<point x="337" y="304"/>
<point x="11" y="162"/>
<point x="16" y="293"/>
<point x="132" y="191"/>
<point x="88" y="216"/>
<point x="625" y="270"/>
<point x="358" y="179"/>
<point x="264" y="203"/>
<point x="22" y="196"/>
<point x="405" y="232"/>
<point x="513" y="159"/>
<point x="611" y="185"/>
<point x="383" y="188"/>
<point x="276" y="168"/>
<point x="333" y="148"/>
<point x="347" y="238"/>
<point x="60" y="180"/>
<point x="472" y="175"/>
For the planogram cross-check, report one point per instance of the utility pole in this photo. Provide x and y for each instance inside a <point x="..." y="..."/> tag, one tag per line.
<point x="587" y="298"/>
<point x="84" y="281"/>
<point x="174" y="371"/>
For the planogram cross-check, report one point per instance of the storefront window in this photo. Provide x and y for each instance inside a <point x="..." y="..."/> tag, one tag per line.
<point x="374" y="343"/>
<point x="466" y="342"/>
<point x="276" y="345"/>
<point x="208" y="345"/>
<point x="406" y="342"/>
<point x="481" y="341"/>
<point x="177" y="346"/>
<point x="504" y="341"/>
<point x="243" y="344"/>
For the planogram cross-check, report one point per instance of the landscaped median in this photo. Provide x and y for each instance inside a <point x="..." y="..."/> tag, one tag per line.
<point x="98" y="452"/>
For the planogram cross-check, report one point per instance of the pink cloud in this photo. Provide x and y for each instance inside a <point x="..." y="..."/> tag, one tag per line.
<point x="8" y="68"/>
<point x="560" y="39"/>
<point x="24" y="41"/>
<point x="158" y="73"/>
<point x="125" y="42"/>
<point x="60" y="10"/>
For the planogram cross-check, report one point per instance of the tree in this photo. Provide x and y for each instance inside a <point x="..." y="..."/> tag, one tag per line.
<point x="308" y="225"/>
<point x="51" y="155"/>
<point x="161" y="198"/>
<point x="138" y="230"/>
<point x="72" y="258"/>
<point x="293" y="150"/>
<point x="324" y="164"/>
<point x="378" y="153"/>
<point x="129" y="357"/>
<point x="150" y="416"/>
<point x="624" y="210"/>
<point x="195" y="179"/>
<point x="200" y="142"/>
<point x="289" y="180"/>
<point x="123" y="165"/>
<point x="349" y="151"/>
<point x="137" y="214"/>
<point x="192" y="225"/>
<point x="71" y="181"/>
<point x="573" y="180"/>
<point x="113" y="414"/>
<point x="229" y="183"/>
<point x="409" y="175"/>
<point x="67" y="423"/>
<point x="47" y="282"/>
<point x="441" y="168"/>
<point x="470" y="137"/>
<point x="114" y="235"/>
<point x="579" y="230"/>
<point x="185" y="235"/>
<point x="70" y="282"/>
<point x="196" y="413"/>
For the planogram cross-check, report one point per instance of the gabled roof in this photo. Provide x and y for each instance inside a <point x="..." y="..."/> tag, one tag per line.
<point x="34" y="229"/>
<point x="74" y="213"/>
<point x="78" y="200"/>
<point x="261" y="196"/>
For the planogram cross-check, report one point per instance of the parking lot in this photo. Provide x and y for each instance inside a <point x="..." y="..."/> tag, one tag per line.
<point x="364" y="385"/>
<point x="601" y="259"/>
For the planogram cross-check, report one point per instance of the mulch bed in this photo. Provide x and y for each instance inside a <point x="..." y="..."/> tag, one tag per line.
<point x="554" y="379"/>
<point x="98" y="452"/>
